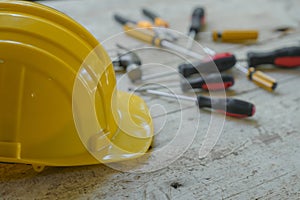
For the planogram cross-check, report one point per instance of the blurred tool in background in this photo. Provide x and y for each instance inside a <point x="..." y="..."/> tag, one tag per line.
<point x="259" y="78"/>
<point x="159" y="22"/>
<point x="231" y="36"/>
<point x="158" y="31"/>
<point x="288" y="57"/>
<point x="197" y="23"/>
<point x="209" y="82"/>
<point x="151" y="38"/>
<point x="130" y="62"/>
<point x="223" y="62"/>
<point x="155" y="18"/>
<point x="229" y="106"/>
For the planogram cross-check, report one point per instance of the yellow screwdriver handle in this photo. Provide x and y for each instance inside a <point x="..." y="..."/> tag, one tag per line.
<point x="144" y="24"/>
<point x="160" y="22"/>
<point x="141" y="34"/>
<point x="235" y="36"/>
<point x="261" y="79"/>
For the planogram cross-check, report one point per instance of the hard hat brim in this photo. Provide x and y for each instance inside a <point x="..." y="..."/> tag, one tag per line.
<point x="133" y="136"/>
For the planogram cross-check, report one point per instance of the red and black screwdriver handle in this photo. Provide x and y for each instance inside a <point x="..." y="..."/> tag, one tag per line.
<point x="198" y="20"/>
<point x="209" y="82"/>
<point x="223" y="61"/>
<point x="288" y="57"/>
<point x="230" y="107"/>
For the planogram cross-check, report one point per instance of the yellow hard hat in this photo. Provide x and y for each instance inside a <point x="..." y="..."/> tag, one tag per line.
<point x="49" y="116"/>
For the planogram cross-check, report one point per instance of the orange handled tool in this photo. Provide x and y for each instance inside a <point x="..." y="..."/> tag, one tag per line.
<point x="156" y="20"/>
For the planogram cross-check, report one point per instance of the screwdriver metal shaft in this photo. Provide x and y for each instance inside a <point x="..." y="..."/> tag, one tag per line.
<point x="150" y="37"/>
<point x="230" y="107"/>
<point x="179" y="49"/>
<point x="165" y="94"/>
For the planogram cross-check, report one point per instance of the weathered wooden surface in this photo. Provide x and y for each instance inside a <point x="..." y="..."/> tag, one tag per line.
<point x="255" y="158"/>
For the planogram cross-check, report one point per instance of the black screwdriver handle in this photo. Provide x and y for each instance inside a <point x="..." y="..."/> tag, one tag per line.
<point x="288" y="57"/>
<point x="198" y="20"/>
<point x="209" y="82"/>
<point x="149" y="14"/>
<point x="223" y="61"/>
<point x="122" y="20"/>
<point x="230" y="107"/>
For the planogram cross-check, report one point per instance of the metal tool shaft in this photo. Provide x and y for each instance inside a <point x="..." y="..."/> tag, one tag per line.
<point x="179" y="49"/>
<point x="174" y="96"/>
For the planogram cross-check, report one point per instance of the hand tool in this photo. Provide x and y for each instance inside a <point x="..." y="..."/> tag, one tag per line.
<point x="288" y="57"/>
<point x="223" y="61"/>
<point x="159" y="22"/>
<point x="126" y="60"/>
<point x="259" y="78"/>
<point x="162" y="33"/>
<point x="150" y="37"/>
<point x="229" y="106"/>
<point x="140" y="24"/>
<point x="233" y="36"/>
<point x="198" y="21"/>
<point x="155" y="18"/>
<point x="130" y="62"/>
<point x="209" y="82"/>
<point x="230" y="36"/>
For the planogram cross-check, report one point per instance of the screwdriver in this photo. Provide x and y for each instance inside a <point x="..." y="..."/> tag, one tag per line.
<point x="150" y="37"/>
<point x="141" y="24"/>
<point x="130" y="62"/>
<point x="198" y="21"/>
<point x="229" y="36"/>
<point x="159" y="22"/>
<point x="233" y="36"/>
<point x="228" y="106"/>
<point x="156" y="20"/>
<point x="163" y="33"/>
<point x="210" y="82"/>
<point x="223" y="61"/>
<point x="288" y="57"/>
<point x="259" y="78"/>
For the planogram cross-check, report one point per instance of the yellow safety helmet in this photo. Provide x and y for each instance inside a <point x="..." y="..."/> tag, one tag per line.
<point x="52" y="112"/>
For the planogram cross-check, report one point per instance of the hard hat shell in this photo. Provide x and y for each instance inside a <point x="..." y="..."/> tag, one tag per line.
<point x="41" y="56"/>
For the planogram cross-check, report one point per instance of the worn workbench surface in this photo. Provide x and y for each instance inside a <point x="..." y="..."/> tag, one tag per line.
<point x="257" y="158"/>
